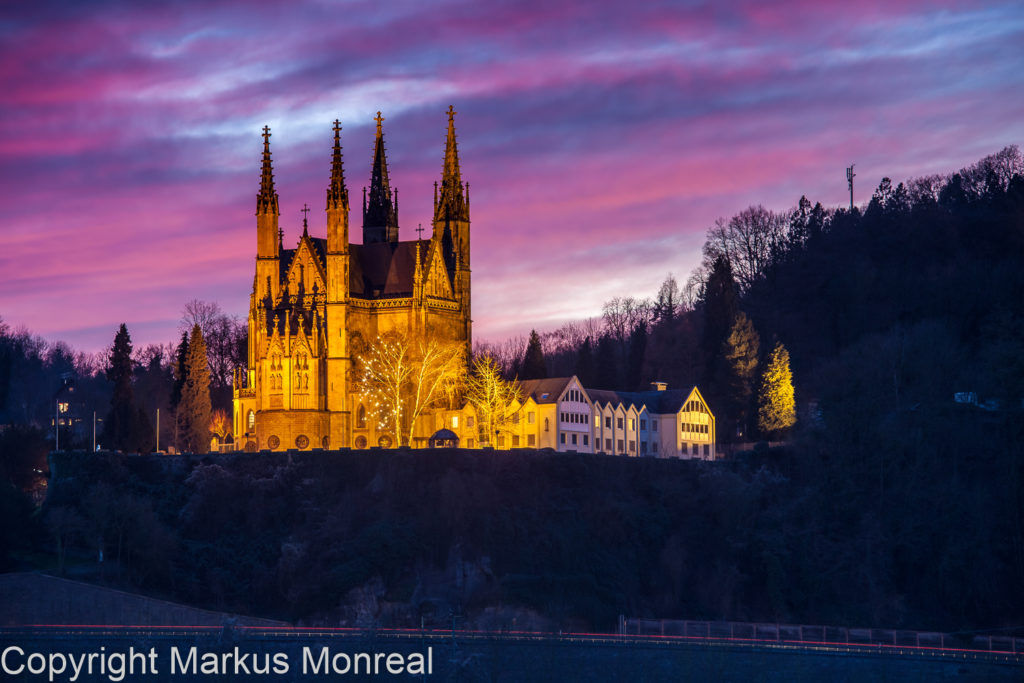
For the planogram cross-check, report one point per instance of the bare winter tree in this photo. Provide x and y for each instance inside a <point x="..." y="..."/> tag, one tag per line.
<point x="749" y="241"/>
<point x="402" y="380"/>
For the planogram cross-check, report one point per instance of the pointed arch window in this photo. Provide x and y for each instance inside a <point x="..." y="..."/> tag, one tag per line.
<point x="361" y="417"/>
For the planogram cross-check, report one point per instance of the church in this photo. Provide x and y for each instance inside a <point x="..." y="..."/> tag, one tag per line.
<point x="315" y="307"/>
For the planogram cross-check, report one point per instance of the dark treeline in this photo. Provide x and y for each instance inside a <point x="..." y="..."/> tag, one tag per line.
<point x="53" y="397"/>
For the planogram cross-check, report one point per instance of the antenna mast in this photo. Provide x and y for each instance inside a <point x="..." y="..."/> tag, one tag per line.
<point x="849" y="179"/>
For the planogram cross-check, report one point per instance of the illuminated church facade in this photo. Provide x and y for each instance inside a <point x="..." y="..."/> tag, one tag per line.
<point x="313" y="308"/>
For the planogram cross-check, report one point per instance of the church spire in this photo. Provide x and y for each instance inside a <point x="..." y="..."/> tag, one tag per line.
<point x="380" y="216"/>
<point x="266" y="200"/>
<point x="337" y="193"/>
<point x="451" y="205"/>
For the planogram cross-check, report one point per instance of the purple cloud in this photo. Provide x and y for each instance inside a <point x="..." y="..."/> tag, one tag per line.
<point x="597" y="138"/>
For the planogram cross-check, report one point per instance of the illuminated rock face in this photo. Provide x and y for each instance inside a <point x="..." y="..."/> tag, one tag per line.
<point x="315" y="307"/>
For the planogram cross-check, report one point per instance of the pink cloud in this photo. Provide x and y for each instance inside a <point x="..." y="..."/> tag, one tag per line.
<point x="597" y="138"/>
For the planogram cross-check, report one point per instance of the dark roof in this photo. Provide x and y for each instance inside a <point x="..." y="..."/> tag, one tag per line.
<point x="379" y="269"/>
<point x="544" y="390"/>
<point x="382" y="269"/>
<point x="668" y="401"/>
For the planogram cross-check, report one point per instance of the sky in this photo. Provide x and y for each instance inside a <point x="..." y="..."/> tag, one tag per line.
<point x="600" y="139"/>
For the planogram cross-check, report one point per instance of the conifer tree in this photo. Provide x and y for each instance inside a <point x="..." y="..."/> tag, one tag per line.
<point x="533" y="366"/>
<point x="740" y="353"/>
<point x="606" y="360"/>
<point x="635" y="361"/>
<point x="194" y="409"/>
<point x="125" y="427"/>
<point x="776" y="401"/>
<point x="180" y="369"/>
<point x="584" y="369"/>
<point x="720" y="306"/>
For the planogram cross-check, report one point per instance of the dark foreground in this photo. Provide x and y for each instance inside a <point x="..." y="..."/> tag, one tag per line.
<point x="225" y="653"/>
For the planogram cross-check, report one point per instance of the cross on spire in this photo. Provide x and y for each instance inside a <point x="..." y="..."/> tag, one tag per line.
<point x="451" y="113"/>
<point x="419" y="229"/>
<point x="305" y="225"/>
<point x="337" y="126"/>
<point x="379" y="119"/>
<point x="266" y="200"/>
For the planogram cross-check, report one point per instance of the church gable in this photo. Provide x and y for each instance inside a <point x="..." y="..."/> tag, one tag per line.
<point x="437" y="283"/>
<point x="305" y="268"/>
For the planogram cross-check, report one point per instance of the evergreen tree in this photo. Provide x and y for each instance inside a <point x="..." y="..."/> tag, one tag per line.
<point x="180" y="370"/>
<point x="533" y="359"/>
<point x="635" y="365"/>
<point x="776" y="402"/>
<point x="720" y="306"/>
<point x="606" y="374"/>
<point x="740" y="353"/>
<point x="194" y="412"/>
<point x="585" y="363"/>
<point x="119" y="429"/>
<point x="666" y="307"/>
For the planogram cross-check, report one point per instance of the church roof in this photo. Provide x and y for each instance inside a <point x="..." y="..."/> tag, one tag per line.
<point x="379" y="269"/>
<point x="382" y="269"/>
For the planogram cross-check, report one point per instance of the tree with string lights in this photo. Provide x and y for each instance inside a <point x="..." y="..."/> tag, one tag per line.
<point x="492" y="395"/>
<point x="402" y="380"/>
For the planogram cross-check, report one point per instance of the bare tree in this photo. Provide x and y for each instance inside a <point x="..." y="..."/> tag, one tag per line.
<point x="402" y="381"/>
<point x="223" y="335"/>
<point x="491" y="395"/>
<point x="750" y="241"/>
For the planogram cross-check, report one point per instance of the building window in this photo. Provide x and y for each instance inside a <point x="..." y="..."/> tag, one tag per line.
<point x="531" y="417"/>
<point x="562" y="437"/>
<point x="608" y="423"/>
<point x="360" y="442"/>
<point x="695" y="447"/>
<point x="632" y="424"/>
<point x="620" y="449"/>
<point x="643" y="447"/>
<point x="455" y="421"/>
<point x="654" y="425"/>
<point x="252" y="420"/>
<point x="632" y="446"/>
<point x="586" y="439"/>
<point x="515" y="418"/>
<point x="361" y="417"/>
<point x="607" y="444"/>
<point x="618" y="423"/>
<point x="469" y="421"/>
<point x="515" y="441"/>
<point x="654" y="447"/>
<point x="573" y="439"/>
<point x="683" y="448"/>
<point x="469" y="443"/>
<point x="531" y="440"/>
<point x="501" y="441"/>
<point x="643" y="424"/>
<point x="547" y="425"/>
<point x="707" y="449"/>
